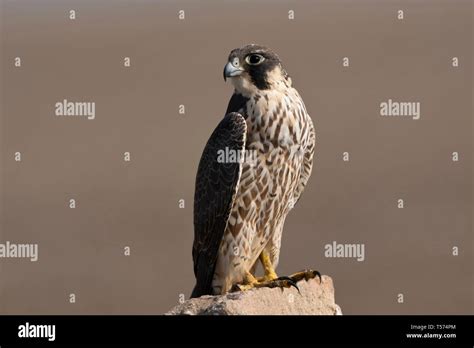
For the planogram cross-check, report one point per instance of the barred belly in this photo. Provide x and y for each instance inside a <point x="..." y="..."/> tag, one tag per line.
<point x="263" y="200"/>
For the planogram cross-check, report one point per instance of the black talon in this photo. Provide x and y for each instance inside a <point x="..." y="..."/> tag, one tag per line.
<point x="317" y="274"/>
<point x="290" y="281"/>
<point x="297" y="288"/>
<point x="235" y="288"/>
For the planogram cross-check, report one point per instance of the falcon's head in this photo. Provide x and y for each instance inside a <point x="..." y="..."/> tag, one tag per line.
<point x="253" y="67"/>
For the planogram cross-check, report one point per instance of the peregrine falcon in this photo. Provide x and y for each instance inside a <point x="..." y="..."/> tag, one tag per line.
<point x="240" y="204"/>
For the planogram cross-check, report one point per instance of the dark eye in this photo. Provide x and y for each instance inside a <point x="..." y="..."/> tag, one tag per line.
<point x="254" y="59"/>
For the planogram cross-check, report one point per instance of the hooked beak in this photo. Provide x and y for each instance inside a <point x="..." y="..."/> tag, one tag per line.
<point x="231" y="70"/>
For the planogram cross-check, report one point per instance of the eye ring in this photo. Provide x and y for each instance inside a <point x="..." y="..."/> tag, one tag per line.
<point x="254" y="59"/>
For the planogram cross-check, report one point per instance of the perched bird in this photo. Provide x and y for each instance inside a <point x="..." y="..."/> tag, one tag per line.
<point x="240" y="205"/>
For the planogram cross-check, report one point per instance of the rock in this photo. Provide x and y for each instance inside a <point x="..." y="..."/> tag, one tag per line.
<point x="314" y="298"/>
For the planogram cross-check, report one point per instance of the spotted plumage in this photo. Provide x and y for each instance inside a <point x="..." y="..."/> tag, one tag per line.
<point x="240" y="207"/>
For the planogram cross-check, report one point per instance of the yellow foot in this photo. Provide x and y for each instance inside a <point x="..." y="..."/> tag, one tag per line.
<point x="270" y="273"/>
<point x="247" y="284"/>
<point x="281" y="282"/>
<point x="306" y="274"/>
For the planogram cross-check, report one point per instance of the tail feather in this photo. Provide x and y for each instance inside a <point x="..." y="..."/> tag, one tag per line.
<point x="200" y="290"/>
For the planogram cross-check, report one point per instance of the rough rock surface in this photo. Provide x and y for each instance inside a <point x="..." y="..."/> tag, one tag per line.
<point x="314" y="298"/>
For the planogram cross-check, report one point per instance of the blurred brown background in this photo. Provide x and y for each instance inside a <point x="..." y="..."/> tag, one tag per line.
<point x="177" y="62"/>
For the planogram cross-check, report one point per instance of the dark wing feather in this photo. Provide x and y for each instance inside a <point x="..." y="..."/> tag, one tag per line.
<point x="238" y="103"/>
<point x="216" y="186"/>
